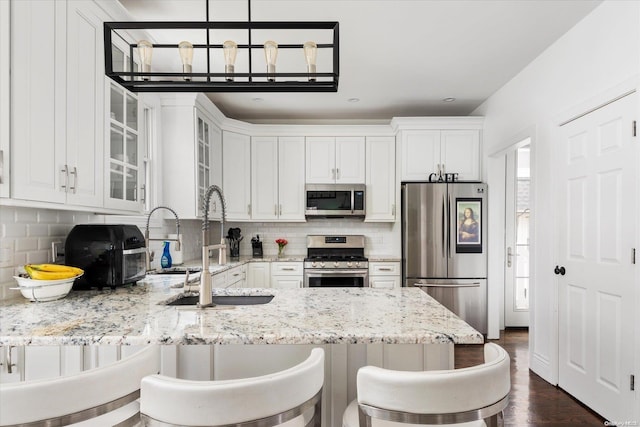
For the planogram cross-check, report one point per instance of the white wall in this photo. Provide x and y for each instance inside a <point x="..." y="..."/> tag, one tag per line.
<point x="601" y="54"/>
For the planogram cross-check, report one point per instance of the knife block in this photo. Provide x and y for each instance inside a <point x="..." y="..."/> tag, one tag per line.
<point x="257" y="249"/>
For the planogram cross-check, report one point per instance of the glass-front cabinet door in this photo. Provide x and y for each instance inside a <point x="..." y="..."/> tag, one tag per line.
<point x="124" y="150"/>
<point x="204" y="159"/>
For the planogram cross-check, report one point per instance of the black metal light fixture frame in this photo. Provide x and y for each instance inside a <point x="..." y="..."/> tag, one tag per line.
<point x="216" y="82"/>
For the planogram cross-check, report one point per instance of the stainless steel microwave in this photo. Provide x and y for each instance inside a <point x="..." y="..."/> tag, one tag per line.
<point x="335" y="200"/>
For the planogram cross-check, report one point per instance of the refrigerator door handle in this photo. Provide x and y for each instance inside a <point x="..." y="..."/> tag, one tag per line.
<point x="450" y="285"/>
<point x="444" y="225"/>
<point x="449" y="224"/>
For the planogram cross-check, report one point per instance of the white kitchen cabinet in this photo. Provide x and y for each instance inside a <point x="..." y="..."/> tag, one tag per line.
<point x="191" y="153"/>
<point x="57" y="107"/>
<point x="11" y="364"/>
<point x="277" y="178"/>
<point x="259" y="275"/>
<point x="381" y="179"/>
<point x="287" y="274"/>
<point x="48" y="169"/>
<point x="428" y="151"/>
<point x="42" y="362"/>
<point x="384" y="274"/>
<point x="236" y="175"/>
<point x="5" y="104"/>
<point x="335" y="160"/>
<point x="237" y="277"/>
<point x="124" y="151"/>
<point x="219" y="280"/>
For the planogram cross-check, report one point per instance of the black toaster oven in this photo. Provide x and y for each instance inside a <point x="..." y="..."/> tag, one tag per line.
<point x="110" y="254"/>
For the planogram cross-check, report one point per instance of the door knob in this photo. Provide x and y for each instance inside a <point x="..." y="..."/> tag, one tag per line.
<point x="560" y="270"/>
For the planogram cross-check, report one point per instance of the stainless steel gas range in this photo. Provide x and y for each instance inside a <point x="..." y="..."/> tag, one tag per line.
<point x="336" y="262"/>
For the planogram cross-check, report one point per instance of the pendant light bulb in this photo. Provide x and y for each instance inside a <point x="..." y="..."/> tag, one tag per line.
<point x="145" y="52"/>
<point x="270" y="54"/>
<point x="186" y="55"/>
<point x="310" y="55"/>
<point x="230" y="50"/>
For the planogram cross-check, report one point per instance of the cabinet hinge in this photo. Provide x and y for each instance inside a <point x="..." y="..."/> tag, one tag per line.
<point x="634" y="128"/>
<point x="632" y="382"/>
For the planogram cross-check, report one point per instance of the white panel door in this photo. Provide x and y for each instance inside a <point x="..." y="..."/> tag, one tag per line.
<point x="350" y="160"/>
<point x="38" y="84"/>
<point x="597" y="217"/>
<point x="264" y="178"/>
<point x="236" y="175"/>
<point x="85" y="104"/>
<point x="420" y="151"/>
<point x="320" y="160"/>
<point x="460" y="153"/>
<point x="291" y="175"/>
<point x="381" y="179"/>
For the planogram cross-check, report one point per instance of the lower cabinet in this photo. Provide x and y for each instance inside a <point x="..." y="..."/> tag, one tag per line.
<point x="235" y="277"/>
<point x="384" y="275"/>
<point x="259" y="275"/>
<point x="223" y="362"/>
<point x="287" y="274"/>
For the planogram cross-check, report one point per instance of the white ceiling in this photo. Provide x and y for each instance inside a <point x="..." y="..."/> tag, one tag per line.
<point x="398" y="57"/>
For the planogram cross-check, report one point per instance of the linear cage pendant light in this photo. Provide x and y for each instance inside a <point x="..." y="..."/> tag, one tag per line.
<point x="138" y="73"/>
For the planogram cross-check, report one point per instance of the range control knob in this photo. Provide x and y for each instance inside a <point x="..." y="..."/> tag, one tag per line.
<point x="349" y="264"/>
<point x="322" y="264"/>
<point x="357" y="263"/>
<point x="336" y="264"/>
<point x="313" y="264"/>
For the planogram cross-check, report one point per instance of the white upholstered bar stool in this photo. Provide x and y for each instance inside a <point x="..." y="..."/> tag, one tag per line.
<point x="99" y="395"/>
<point x="473" y="396"/>
<point x="287" y="397"/>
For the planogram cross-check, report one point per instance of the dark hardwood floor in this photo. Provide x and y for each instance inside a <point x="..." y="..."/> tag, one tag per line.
<point x="533" y="401"/>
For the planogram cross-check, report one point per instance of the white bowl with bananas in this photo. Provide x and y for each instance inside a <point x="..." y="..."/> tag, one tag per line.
<point x="47" y="282"/>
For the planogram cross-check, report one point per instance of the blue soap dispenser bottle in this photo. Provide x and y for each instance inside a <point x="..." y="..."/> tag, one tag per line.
<point x="165" y="261"/>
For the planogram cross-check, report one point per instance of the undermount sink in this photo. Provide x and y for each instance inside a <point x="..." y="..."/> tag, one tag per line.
<point x="225" y="300"/>
<point x="177" y="270"/>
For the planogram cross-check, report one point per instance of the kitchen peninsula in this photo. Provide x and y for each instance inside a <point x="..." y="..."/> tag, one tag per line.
<point x="138" y="315"/>
<point x="397" y="328"/>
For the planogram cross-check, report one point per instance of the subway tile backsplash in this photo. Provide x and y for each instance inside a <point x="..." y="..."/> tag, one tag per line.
<point x="27" y="235"/>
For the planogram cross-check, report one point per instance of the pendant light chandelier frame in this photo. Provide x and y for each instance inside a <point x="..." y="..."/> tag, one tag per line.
<point x="155" y="81"/>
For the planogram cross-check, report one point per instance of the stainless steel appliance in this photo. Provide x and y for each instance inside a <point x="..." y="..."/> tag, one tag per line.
<point x="336" y="262"/>
<point x="335" y="200"/>
<point x="110" y="254"/>
<point x="444" y="245"/>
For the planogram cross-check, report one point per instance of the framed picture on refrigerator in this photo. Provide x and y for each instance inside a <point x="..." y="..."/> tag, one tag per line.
<point x="469" y="224"/>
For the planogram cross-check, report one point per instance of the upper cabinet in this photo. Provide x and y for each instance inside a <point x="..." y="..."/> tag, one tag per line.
<point x="124" y="150"/>
<point x="191" y="152"/>
<point x="277" y="178"/>
<point x="381" y="179"/>
<point x="57" y="102"/>
<point x="429" y="151"/>
<point x="335" y="160"/>
<point x="236" y="175"/>
<point x="5" y="105"/>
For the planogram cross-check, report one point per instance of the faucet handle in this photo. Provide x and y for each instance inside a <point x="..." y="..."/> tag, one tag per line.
<point x="151" y="254"/>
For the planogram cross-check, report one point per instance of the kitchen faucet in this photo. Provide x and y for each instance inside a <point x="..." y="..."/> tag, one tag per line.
<point x="147" y="239"/>
<point x="205" y="276"/>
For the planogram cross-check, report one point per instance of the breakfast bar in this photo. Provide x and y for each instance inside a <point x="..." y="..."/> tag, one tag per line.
<point x="356" y="327"/>
<point x="138" y="315"/>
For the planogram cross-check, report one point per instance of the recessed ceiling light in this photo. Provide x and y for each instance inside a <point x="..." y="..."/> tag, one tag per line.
<point x="449" y="99"/>
<point x="353" y="99"/>
<point x="257" y="99"/>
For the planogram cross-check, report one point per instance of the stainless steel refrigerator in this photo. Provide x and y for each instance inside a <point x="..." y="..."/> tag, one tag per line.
<point x="444" y="245"/>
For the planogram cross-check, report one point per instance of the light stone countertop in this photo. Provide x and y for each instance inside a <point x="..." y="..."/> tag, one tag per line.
<point x="136" y="315"/>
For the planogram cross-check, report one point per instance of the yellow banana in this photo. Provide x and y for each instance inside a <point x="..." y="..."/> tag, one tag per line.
<point x="51" y="271"/>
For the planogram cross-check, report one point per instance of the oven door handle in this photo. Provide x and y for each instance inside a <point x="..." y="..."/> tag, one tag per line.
<point x="336" y="272"/>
